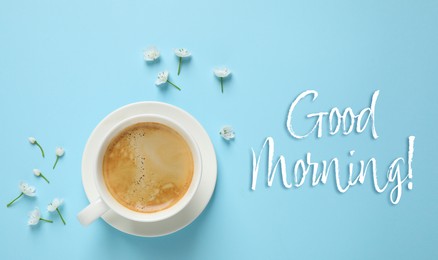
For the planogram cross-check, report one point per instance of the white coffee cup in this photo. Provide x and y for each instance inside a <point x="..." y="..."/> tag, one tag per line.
<point x="106" y="202"/>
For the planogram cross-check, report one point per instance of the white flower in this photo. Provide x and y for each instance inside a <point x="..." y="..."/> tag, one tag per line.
<point x="38" y="173"/>
<point x="162" y="78"/>
<point x="59" y="151"/>
<point x="151" y="54"/>
<point x="227" y="133"/>
<point x="32" y="140"/>
<point x="222" y="72"/>
<point x="182" y="53"/>
<point x="34" y="217"/>
<point x="56" y="203"/>
<point x="27" y="190"/>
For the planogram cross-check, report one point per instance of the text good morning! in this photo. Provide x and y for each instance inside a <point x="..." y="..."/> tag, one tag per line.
<point x="321" y="171"/>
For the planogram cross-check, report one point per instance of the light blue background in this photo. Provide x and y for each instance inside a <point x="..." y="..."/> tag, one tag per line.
<point x="64" y="65"/>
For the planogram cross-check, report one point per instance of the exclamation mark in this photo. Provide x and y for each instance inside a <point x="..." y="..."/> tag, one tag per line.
<point x="410" y="157"/>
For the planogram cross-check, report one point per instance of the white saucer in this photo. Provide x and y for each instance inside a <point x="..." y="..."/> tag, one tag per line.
<point x="202" y="195"/>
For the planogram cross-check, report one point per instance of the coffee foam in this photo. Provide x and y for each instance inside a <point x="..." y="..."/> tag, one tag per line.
<point x="148" y="167"/>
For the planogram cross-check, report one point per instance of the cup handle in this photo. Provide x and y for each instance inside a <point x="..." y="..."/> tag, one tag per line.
<point x="92" y="212"/>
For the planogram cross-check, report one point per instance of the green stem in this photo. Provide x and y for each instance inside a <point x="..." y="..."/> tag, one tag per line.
<point x="179" y="65"/>
<point x="10" y="203"/>
<point x="222" y="85"/>
<point x="46" y="220"/>
<point x="42" y="151"/>
<point x="44" y="177"/>
<point x="174" y="85"/>
<point x="63" y="221"/>
<point x="56" y="162"/>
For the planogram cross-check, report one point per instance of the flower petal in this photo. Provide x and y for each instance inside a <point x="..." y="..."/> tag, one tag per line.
<point x="27" y="189"/>
<point x="36" y="172"/>
<point x="34" y="217"/>
<point x="32" y="140"/>
<point x="57" y="202"/>
<point x="159" y="82"/>
<point x="222" y="72"/>
<point x="33" y="221"/>
<point x="151" y="53"/>
<point x="162" y="78"/>
<point x="182" y="52"/>
<point x="23" y="186"/>
<point x="51" y="207"/>
<point x="227" y="133"/>
<point x="59" y="151"/>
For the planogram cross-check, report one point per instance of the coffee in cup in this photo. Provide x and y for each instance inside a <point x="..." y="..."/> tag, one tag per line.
<point x="148" y="167"/>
